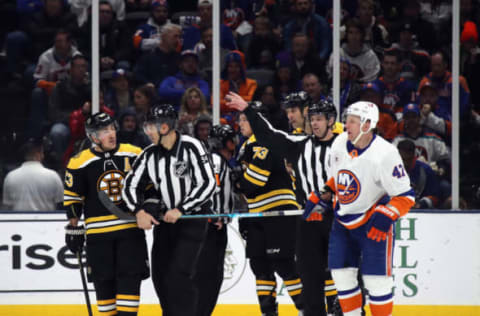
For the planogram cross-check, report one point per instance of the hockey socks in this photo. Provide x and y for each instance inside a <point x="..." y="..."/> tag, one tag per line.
<point x="127" y="304"/>
<point x="351" y="301"/>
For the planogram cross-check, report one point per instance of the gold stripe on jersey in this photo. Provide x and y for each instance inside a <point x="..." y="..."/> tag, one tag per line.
<point x="256" y="175"/>
<point x="70" y="198"/>
<point x="253" y="180"/>
<point x="106" y="224"/>
<point x="128" y="149"/>
<point x="81" y="159"/>
<point x="272" y="199"/>
<point x="110" y="229"/>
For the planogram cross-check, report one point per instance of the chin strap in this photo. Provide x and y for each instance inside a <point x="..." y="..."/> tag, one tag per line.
<point x="360" y="134"/>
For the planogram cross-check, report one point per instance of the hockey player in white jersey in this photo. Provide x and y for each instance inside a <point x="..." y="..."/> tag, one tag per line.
<point x="371" y="191"/>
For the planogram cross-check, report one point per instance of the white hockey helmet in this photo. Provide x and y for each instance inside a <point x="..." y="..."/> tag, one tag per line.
<point x="367" y="111"/>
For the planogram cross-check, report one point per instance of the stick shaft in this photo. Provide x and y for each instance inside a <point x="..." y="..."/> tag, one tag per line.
<point x="84" y="284"/>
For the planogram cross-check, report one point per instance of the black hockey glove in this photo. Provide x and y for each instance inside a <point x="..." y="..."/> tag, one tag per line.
<point x="75" y="238"/>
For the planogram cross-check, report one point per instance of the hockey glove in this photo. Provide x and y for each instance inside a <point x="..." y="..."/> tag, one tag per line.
<point x="315" y="207"/>
<point x="382" y="220"/>
<point x="75" y="238"/>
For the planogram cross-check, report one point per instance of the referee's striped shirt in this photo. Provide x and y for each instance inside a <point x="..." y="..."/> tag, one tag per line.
<point x="223" y="197"/>
<point x="309" y="155"/>
<point x="183" y="176"/>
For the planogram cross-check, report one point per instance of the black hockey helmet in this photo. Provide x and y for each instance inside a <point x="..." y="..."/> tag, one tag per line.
<point x="162" y="113"/>
<point x="219" y="135"/>
<point x="98" y="121"/>
<point x="324" y="107"/>
<point x="296" y="99"/>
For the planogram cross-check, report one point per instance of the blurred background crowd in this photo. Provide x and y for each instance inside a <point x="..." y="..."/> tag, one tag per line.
<point x="396" y="54"/>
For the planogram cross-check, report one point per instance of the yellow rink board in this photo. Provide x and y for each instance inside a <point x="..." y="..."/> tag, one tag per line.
<point x="228" y="310"/>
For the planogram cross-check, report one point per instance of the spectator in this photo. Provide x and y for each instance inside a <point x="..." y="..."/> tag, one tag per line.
<point x="204" y="49"/>
<point x="202" y="128"/>
<point x="387" y="122"/>
<point x="52" y="67"/>
<point x="193" y="105"/>
<point x="264" y="45"/>
<point x="192" y="34"/>
<point x="426" y="35"/>
<point x="276" y="115"/>
<point x="307" y="22"/>
<point x="349" y="89"/>
<point x="397" y="91"/>
<point x="118" y="94"/>
<point x="365" y="64"/>
<point x="154" y="66"/>
<point x="304" y="60"/>
<point x="429" y="146"/>
<point x="130" y="132"/>
<point x="115" y="39"/>
<point x="470" y="58"/>
<point x="376" y="36"/>
<point x="423" y="179"/>
<point x="284" y="82"/>
<point x="313" y="87"/>
<point x="32" y="187"/>
<point x="172" y="88"/>
<point x="143" y="99"/>
<point x="414" y="60"/>
<point x="39" y="30"/>
<point x="67" y="96"/>
<point x="441" y="79"/>
<point x="234" y="18"/>
<point x="429" y="115"/>
<point x="81" y="8"/>
<point x="148" y="35"/>
<point x="233" y="78"/>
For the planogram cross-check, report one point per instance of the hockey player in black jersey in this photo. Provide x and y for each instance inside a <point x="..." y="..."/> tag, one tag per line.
<point x="308" y="154"/>
<point x="116" y="249"/>
<point x="222" y="142"/>
<point x="267" y="186"/>
<point x="181" y="172"/>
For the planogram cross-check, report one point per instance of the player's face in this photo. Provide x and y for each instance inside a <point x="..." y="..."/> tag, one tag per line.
<point x="245" y="128"/>
<point x="295" y="117"/>
<point x="108" y="137"/>
<point x="352" y="126"/>
<point x="319" y="124"/>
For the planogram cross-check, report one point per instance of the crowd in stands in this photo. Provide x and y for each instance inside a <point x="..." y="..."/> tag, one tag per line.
<point x="396" y="54"/>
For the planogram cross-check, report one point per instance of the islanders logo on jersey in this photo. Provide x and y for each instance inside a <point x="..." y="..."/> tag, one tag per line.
<point x="348" y="186"/>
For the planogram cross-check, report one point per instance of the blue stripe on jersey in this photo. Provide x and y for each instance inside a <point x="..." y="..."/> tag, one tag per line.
<point x="349" y="217"/>
<point x="351" y="147"/>
<point x="408" y="193"/>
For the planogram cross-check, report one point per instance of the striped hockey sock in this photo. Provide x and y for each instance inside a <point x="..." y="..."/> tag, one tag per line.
<point x="127" y="305"/>
<point x="107" y="307"/>
<point x="351" y="301"/>
<point x="381" y="305"/>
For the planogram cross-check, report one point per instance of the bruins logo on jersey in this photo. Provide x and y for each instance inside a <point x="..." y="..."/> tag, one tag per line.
<point x="111" y="182"/>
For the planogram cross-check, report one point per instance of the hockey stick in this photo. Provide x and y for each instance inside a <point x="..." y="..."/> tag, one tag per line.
<point x="84" y="283"/>
<point x="115" y="210"/>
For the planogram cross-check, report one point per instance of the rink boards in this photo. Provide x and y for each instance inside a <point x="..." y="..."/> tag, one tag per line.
<point x="437" y="268"/>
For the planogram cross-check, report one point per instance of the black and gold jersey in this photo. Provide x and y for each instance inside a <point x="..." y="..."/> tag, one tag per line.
<point x="265" y="183"/>
<point x="88" y="173"/>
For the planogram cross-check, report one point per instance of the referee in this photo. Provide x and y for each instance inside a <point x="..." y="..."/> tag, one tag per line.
<point x="309" y="154"/>
<point x="181" y="172"/>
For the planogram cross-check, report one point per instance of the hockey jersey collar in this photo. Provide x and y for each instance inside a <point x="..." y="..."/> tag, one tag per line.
<point x="174" y="148"/>
<point x="351" y="147"/>
<point x="105" y="155"/>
